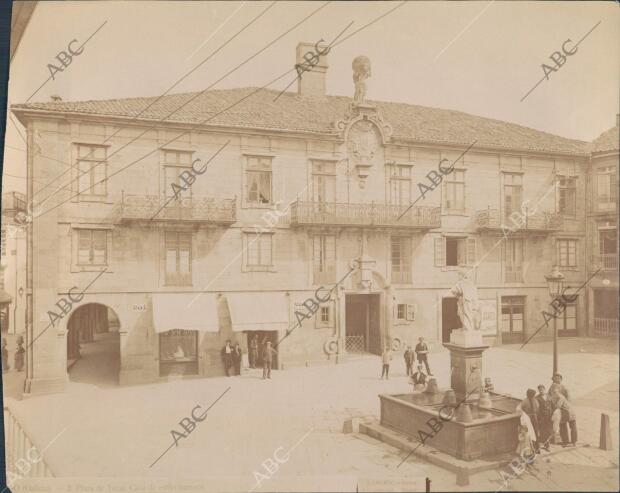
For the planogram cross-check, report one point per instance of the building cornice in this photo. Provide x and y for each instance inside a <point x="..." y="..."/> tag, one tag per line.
<point x="25" y="115"/>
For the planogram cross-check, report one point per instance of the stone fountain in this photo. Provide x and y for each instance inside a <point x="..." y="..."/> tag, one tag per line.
<point x="475" y="424"/>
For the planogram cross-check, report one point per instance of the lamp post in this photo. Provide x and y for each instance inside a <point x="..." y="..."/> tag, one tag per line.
<point x="555" y="282"/>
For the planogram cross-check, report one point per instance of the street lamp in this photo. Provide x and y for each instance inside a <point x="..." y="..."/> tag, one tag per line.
<point x="555" y="282"/>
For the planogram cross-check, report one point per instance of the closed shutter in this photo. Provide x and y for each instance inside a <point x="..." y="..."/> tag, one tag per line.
<point x="330" y="254"/>
<point x="471" y="251"/>
<point x="440" y="252"/>
<point x="84" y="242"/>
<point x="411" y="309"/>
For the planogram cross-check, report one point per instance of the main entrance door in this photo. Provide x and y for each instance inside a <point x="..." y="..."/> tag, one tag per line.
<point x="363" y="323"/>
<point x="449" y="318"/>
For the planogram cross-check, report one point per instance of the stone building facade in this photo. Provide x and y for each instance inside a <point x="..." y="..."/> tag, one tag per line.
<point x="303" y="187"/>
<point x="602" y="234"/>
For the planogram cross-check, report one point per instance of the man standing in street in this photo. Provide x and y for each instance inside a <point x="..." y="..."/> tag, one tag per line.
<point x="227" y="357"/>
<point x="268" y="354"/>
<point x="409" y="357"/>
<point x="386" y="357"/>
<point x="421" y="350"/>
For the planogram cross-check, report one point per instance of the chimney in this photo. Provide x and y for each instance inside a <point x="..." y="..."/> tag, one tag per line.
<point x="311" y="75"/>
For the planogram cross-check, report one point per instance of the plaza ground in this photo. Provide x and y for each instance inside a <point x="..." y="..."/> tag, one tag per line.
<point x="115" y="432"/>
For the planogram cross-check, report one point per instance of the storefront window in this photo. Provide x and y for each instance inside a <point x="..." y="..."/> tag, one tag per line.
<point x="178" y="351"/>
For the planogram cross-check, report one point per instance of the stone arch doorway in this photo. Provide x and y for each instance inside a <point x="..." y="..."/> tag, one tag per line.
<point x="93" y="345"/>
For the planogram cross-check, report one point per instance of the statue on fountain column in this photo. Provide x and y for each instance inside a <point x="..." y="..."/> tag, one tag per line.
<point x="361" y="72"/>
<point x="467" y="299"/>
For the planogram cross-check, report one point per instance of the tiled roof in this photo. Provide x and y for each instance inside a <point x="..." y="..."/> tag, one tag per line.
<point x="607" y="141"/>
<point x="318" y="114"/>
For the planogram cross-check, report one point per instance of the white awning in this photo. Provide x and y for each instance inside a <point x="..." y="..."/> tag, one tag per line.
<point x="258" y="311"/>
<point x="189" y="311"/>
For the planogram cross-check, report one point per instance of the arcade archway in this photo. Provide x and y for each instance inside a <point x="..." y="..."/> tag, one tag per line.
<point x="93" y="345"/>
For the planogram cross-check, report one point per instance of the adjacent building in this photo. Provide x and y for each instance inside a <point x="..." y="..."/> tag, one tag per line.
<point x="12" y="265"/>
<point x="299" y="189"/>
<point x="602" y="234"/>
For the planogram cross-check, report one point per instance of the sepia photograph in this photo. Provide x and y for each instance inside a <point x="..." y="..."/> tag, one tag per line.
<point x="309" y="246"/>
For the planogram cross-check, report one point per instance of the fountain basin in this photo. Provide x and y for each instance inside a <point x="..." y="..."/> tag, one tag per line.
<point x="492" y="431"/>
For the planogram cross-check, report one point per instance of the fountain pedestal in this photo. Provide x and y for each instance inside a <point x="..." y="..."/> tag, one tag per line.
<point x="466" y="348"/>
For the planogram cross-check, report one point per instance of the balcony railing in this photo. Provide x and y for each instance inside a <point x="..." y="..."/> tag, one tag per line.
<point x="604" y="261"/>
<point x="401" y="277"/>
<point x="492" y="219"/>
<point x="189" y="209"/>
<point x="336" y="214"/>
<point x="609" y="261"/>
<point x="606" y="327"/>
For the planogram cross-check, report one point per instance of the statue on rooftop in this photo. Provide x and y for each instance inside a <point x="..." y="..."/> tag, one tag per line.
<point x="361" y="72"/>
<point x="467" y="299"/>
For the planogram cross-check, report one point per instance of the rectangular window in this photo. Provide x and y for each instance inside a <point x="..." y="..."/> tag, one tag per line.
<point x="567" y="320"/>
<point x="324" y="254"/>
<point x="401" y="259"/>
<point x="325" y="315"/>
<point x="259" y="251"/>
<point x="608" y="245"/>
<point x="178" y="352"/>
<point x="400" y="184"/>
<point x="91" y="167"/>
<point x="175" y="163"/>
<point x="567" y="195"/>
<point x="567" y="253"/>
<point x="606" y="188"/>
<point x="454" y="197"/>
<point x="513" y="193"/>
<point x="513" y="260"/>
<point x="401" y="311"/>
<point x="178" y="258"/>
<point x="512" y="320"/>
<point x="455" y="251"/>
<point x="92" y="247"/>
<point x="323" y="181"/>
<point x="258" y="180"/>
<point x="451" y="251"/>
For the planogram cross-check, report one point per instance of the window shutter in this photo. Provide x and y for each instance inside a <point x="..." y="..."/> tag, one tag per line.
<point x="440" y="252"/>
<point x="471" y="251"/>
<point x="411" y="309"/>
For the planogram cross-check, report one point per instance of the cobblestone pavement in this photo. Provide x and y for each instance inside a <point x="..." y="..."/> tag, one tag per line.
<point x="119" y="432"/>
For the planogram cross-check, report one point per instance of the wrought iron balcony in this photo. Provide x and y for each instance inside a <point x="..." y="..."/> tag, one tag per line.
<point x="335" y="214"/>
<point x="492" y="219"/>
<point x="188" y="209"/>
<point x="604" y="261"/>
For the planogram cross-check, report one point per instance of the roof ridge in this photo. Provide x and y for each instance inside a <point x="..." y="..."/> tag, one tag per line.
<point x="305" y="113"/>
